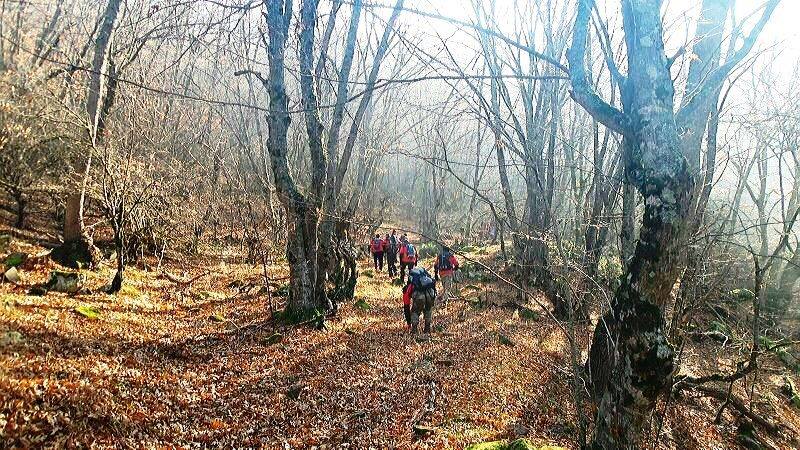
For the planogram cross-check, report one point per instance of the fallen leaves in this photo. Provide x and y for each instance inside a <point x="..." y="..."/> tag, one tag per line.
<point x="139" y="377"/>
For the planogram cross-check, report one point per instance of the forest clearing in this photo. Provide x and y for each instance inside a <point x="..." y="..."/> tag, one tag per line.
<point x="443" y="224"/>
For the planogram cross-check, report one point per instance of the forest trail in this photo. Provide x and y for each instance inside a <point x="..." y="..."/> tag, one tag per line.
<point x="162" y="365"/>
<point x="158" y="367"/>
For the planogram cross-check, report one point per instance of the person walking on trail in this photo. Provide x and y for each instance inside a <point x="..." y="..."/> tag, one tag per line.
<point x="390" y="251"/>
<point x="444" y="267"/>
<point x="407" y="294"/>
<point x="408" y="256"/>
<point x="422" y="290"/>
<point x="376" y="247"/>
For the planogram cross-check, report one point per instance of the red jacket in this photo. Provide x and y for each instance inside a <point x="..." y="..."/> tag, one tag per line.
<point x="446" y="272"/>
<point x="407" y="291"/>
<point x="404" y="258"/>
<point x="376" y="245"/>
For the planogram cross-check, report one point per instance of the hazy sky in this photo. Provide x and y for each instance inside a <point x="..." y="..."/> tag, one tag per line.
<point x="782" y="32"/>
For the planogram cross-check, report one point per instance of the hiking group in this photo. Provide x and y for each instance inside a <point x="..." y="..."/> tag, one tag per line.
<point x="419" y="290"/>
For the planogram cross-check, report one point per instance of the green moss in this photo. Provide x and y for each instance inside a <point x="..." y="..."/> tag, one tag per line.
<point x="789" y="360"/>
<point x="206" y="295"/>
<point x="494" y="445"/>
<point x="716" y="325"/>
<point x="368" y="273"/>
<point x="10" y="338"/>
<point x="130" y="291"/>
<point x="273" y="339"/>
<point x="741" y="294"/>
<point x="522" y="444"/>
<point x="609" y="268"/>
<point x="16" y="259"/>
<point x="519" y="444"/>
<point x="505" y="340"/>
<point x="290" y="317"/>
<point x="362" y="304"/>
<point x="87" y="311"/>
<point x="528" y="314"/>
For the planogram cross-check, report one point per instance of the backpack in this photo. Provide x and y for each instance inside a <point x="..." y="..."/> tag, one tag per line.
<point x="444" y="262"/>
<point x="410" y="250"/>
<point x="393" y="243"/>
<point x="421" y="279"/>
<point x="377" y="245"/>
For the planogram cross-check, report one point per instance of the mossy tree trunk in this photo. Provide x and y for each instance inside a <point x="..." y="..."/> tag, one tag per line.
<point x="631" y="362"/>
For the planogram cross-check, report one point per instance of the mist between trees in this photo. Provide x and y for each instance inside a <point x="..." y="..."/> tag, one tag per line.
<point x="636" y="161"/>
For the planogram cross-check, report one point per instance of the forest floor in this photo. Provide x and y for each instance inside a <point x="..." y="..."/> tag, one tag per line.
<point x="201" y="366"/>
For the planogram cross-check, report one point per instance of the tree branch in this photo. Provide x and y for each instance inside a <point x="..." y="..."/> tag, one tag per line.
<point x="582" y="91"/>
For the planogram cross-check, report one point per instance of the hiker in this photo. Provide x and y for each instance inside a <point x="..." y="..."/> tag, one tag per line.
<point x="390" y="251"/>
<point x="408" y="256"/>
<point x="422" y="290"/>
<point x="376" y="247"/>
<point x="407" y="291"/>
<point x="446" y="263"/>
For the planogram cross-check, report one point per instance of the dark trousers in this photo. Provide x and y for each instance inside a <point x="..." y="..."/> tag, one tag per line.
<point x="378" y="258"/>
<point x="403" y="267"/>
<point x="407" y="314"/>
<point x="391" y="263"/>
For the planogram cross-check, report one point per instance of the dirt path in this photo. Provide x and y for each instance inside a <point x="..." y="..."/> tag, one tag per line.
<point x="138" y="374"/>
<point x="153" y="369"/>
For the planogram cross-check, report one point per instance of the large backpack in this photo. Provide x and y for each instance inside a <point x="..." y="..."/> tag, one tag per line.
<point x="421" y="279"/>
<point x="444" y="261"/>
<point x="377" y="245"/>
<point x="393" y="243"/>
<point x="410" y="250"/>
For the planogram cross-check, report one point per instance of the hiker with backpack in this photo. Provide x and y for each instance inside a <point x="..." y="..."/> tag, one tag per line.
<point x="421" y="290"/>
<point x="408" y="256"/>
<point x="444" y="267"/>
<point x="376" y="248"/>
<point x="390" y="251"/>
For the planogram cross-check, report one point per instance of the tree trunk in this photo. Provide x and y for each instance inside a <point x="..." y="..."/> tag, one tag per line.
<point x="631" y="362"/>
<point x="119" y="247"/>
<point x="74" y="234"/>
<point x="300" y="253"/>
<point x="628" y="231"/>
<point x="22" y="203"/>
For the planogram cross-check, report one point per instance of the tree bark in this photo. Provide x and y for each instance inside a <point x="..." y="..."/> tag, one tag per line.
<point x="22" y="203"/>
<point x="301" y="302"/>
<point x="631" y="361"/>
<point x="74" y="233"/>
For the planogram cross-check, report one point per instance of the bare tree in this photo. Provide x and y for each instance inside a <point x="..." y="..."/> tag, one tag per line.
<point x="630" y="356"/>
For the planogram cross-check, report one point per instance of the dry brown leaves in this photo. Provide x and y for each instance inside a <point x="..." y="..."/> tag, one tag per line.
<point x="139" y="376"/>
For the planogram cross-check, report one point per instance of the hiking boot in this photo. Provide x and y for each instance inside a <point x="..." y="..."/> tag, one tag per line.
<point x="414" y="329"/>
<point x="427" y="326"/>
